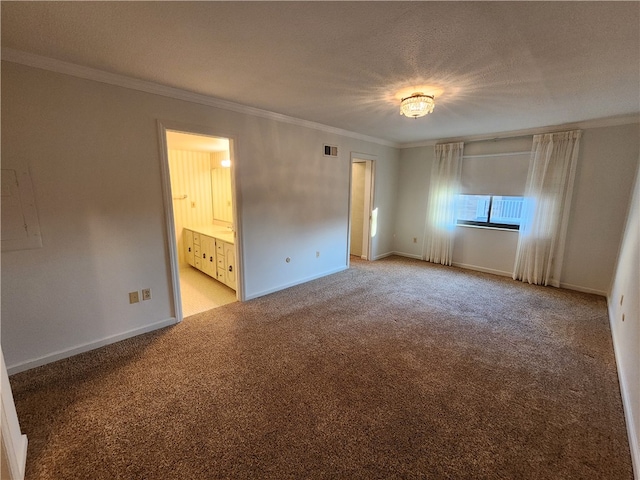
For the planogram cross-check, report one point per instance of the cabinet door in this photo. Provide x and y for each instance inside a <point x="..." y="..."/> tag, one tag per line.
<point x="187" y="236"/>
<point x="230" y="265"/>
<point x="208" y="248"/>
<point x="220" y="268"/>
<point x="221" y="275"/>
<point x="197" y="256"/>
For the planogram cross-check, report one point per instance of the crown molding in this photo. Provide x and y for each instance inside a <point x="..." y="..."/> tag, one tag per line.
<point x="88" y="73"/>
<point x="586" y="124"/>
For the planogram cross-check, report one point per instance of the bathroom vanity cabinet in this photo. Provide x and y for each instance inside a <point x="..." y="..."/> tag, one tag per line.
<point x="212" y="251"/>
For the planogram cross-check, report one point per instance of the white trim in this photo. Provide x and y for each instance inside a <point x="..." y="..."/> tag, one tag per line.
<point x="407" y="255"/>
<point x="236" y="201"/>
<point x="66" y="68"/>
<point x="79" y="71"/>
<point x="297" y="282"/>
<point x="502" y="273"/>
<point x="348" y="252"/>
<point x="369" y="201"/>
<point x="85" y="347"/>
<point x="583" y="125"/>
<point x="363" y="156"/>
<point x="163" y="127"/>
<point x="476" y="268"/>
<point x="578" y="288"/>
<point x="13" y="444"/>
<point x="634" y="441"/>
<point x="384" y="255"/>
<point x="169" y="221"/>
<point x="87" y="73"/>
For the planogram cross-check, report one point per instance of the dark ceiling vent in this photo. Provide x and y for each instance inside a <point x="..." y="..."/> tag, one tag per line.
<point x="330" y="151"/>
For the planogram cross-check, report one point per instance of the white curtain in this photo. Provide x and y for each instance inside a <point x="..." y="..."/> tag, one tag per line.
<point x="546" y="208"/>
<point x="441" y="207"/>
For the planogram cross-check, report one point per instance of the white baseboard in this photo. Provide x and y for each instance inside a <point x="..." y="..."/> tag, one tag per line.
<point x="459" y="265"/>
<point x="482" y="269"/>
<point x="634" y="441"/>
<point x="384" y="255"/>
<point x="297" y="282"/>
<point x="69" y="352"/>
<point x="568" y="286"/>
<point x="579" y="288"/>
<point x="408" y="255"/>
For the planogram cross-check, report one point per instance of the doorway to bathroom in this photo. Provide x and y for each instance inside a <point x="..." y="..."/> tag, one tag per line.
<point x="203" y="235"/>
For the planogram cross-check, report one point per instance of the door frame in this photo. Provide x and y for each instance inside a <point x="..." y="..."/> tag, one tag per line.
<point x="369" y="182"/>
<point x="170" y="230"/>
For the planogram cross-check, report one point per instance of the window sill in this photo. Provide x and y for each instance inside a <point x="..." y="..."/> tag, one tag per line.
<point x="483" y="227"/>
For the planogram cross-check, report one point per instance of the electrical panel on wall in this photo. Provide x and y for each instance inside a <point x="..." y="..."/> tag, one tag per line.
<point x="330" y="151"/>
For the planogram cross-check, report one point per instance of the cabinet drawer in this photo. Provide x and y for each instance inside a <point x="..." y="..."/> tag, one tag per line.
<point x="196" y="238"/>
<point x="198" y="263"/>
<point x="221" y="274"/>
<point x="220" y="247"/>
<point x="196" y="251"/>
<point x="220" y="262"/>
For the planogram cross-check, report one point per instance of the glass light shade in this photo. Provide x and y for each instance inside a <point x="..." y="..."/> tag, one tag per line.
<point x="417" y="105"/>
<point x="225" y="163"/>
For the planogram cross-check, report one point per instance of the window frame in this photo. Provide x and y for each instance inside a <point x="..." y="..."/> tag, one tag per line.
<point x="488" y="223"/>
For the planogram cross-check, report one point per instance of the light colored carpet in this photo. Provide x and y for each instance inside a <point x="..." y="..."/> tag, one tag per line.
<point x="395" y="369"/>
<point x="200" y="292"/>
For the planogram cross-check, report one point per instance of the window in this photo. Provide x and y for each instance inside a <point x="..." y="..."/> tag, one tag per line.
<point x="490" y="211"/>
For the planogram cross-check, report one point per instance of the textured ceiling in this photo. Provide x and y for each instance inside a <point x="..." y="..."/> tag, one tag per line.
<point x="493" y="66"/>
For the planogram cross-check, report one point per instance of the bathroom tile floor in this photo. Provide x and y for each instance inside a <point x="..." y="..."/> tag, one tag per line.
<point x="200" y="292"/>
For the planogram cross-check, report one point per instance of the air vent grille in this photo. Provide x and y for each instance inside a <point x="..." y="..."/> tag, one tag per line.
<point x="330" y="151"/>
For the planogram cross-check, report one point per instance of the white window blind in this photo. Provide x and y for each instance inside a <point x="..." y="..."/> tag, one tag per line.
<point x="495" y="174"/>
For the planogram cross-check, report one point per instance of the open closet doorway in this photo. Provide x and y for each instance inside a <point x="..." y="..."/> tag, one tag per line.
<point x="200" y="180"/>
<point x="361" y="201"/>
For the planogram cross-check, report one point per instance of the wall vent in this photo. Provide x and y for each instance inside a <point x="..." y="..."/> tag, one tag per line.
<point x="330" y="151"/>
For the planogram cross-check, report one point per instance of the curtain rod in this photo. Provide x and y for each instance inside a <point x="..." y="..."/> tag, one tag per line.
<point x="501" y="137"/>
<point x="506" y="154"/>
<point x="521" y="134"/>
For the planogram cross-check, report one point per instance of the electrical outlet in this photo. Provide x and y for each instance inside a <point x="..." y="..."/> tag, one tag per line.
<point x="415" y="239"/>
<point x="317" y="254"/>
<point x="146" y="294"/>
<point x="133" y="297"/>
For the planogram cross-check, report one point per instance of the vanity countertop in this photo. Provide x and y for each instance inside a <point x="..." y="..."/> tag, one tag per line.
<point x="216" y="231"/>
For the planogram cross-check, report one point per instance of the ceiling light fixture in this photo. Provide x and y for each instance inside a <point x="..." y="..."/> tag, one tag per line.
<point x="416" y="105"/>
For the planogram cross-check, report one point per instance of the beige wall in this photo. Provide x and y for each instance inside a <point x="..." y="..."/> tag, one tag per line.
<point x="624" y="312"/>
<point x="94" y="156"/>
<point x="602" y="192"/>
